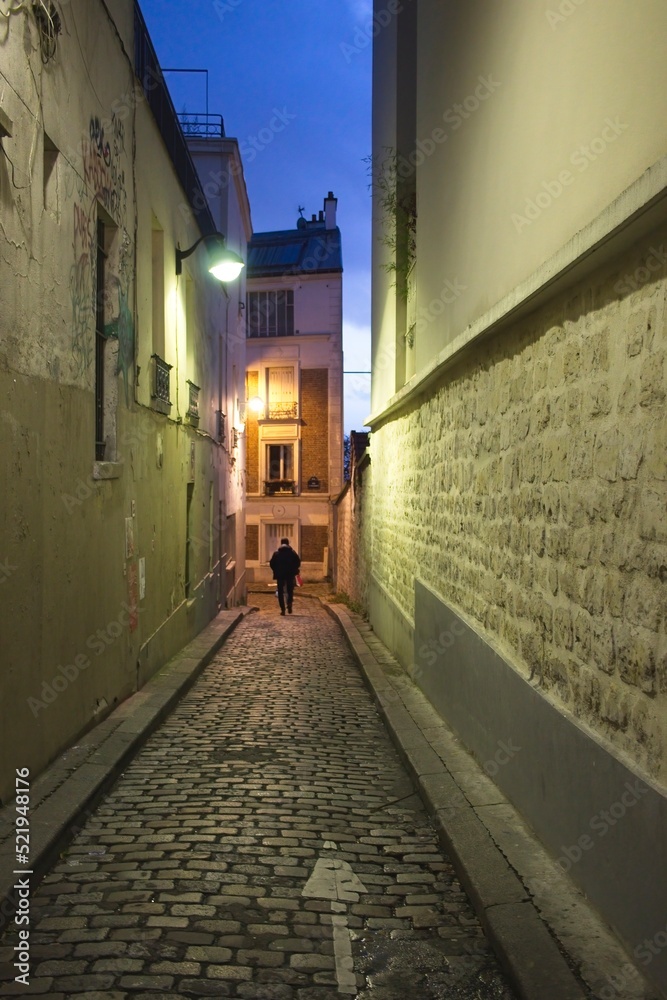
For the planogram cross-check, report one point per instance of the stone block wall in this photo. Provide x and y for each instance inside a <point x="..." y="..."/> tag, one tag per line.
<point x="529" y="489"/>
<point x="352" y="557"/>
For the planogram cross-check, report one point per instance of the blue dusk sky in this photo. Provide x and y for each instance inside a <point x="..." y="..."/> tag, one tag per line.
<point x="292" y="80"/>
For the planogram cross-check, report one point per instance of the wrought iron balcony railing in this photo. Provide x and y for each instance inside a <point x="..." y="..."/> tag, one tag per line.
<point x="276" y="487"/>
<point x="283" y="411"/>
<point x="202" y="124"/>
<point x="193" y="400"/>
<point x="161" y="380"/>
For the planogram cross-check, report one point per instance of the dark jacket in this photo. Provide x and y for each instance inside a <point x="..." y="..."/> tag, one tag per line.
<point x="284" y="562"/>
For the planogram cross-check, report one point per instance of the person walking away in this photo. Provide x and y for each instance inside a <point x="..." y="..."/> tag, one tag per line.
<point x="285" y="564"/>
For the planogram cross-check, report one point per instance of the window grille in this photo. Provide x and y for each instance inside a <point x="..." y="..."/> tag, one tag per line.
<point x="161" y="379"/>
<point x="193" y="400"/>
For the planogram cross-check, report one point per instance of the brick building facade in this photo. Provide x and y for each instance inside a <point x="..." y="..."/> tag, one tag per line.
<point x="294" y="413"/>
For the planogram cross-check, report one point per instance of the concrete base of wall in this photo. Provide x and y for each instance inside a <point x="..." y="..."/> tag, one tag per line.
<point x="605" y="823"/>
<point x="392" y="625"/>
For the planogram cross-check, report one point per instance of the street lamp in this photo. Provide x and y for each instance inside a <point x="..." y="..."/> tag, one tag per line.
<point x="224" y="264"/>
<point x="256" y="404"/>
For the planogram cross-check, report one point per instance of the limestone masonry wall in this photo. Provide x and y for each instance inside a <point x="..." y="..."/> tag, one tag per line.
<point x="352" y="569"/>
<point x="529" y="490"/>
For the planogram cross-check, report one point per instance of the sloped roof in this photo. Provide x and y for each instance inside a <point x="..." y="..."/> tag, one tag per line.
<point x="295" y="251"/>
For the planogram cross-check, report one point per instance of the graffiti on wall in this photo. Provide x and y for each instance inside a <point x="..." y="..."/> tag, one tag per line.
<point x="101" y="183"/>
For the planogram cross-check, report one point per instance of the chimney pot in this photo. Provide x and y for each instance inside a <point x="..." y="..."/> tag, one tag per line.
<point x="330" y="204"/>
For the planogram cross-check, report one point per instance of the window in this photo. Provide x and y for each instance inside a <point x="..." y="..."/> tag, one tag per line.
<point x="107" y="306"/>
<point x="279" y="469"/>
<point x="189" y="541"/>
<point x="161" y="384"/>
<point x="193" y="401"/>
<point x="100" y="342"/>
<point x="279" y="461"/>
<point x="270" y="314"/>
<point x="50" y="176"/>
<point x="274" y="534"/>
<point x="282" y="400"/>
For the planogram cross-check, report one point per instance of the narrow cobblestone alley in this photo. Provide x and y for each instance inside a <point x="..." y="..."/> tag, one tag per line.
<point x="265" y="843"/>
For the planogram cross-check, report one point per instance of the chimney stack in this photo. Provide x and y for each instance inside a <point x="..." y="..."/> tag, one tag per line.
<point x="330" y="204"/>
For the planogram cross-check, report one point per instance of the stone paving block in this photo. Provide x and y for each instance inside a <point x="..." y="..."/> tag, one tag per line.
<point x="208" y="953"/>
<point x="197" y="862"/>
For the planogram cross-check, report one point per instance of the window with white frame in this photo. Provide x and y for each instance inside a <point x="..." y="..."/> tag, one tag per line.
<point x="270" y="314"/>
<point x="282" y="398"/>
<point x="275" y="533"/>
<point x="279" y="462"/>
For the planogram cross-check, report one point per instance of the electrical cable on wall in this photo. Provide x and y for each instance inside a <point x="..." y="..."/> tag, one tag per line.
<point x="19" y="187"/>
<point x="49" y="24"/>
<point x="13" y="10"/>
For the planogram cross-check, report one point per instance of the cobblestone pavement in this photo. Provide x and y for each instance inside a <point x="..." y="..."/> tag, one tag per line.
<point x="266" y="843"/>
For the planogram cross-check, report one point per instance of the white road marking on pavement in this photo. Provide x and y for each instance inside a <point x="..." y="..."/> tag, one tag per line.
<point x="347" y="981"/>
<point x="334" y="879"/>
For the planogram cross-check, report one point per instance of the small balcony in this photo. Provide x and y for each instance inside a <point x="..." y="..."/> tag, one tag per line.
<point x="282" y="411"/>
<point x="279" y="487"/>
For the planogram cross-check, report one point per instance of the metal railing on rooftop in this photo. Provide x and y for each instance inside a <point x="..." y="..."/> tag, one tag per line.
<point x="202" y="124"/>
<point x="147" y="69"/>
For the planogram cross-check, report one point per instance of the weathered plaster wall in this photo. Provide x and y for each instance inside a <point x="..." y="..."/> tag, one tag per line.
<point x="78" y="634"/>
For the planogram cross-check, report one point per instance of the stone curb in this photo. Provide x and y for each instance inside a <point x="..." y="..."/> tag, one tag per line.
<point x="529" y="954"/>
<point x="64" y="795"/>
